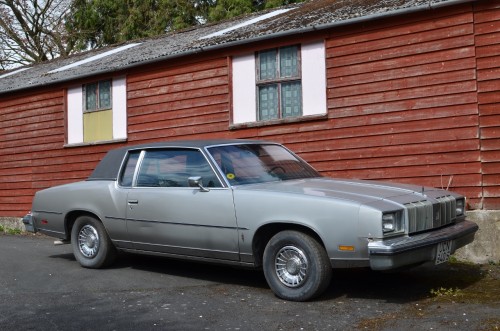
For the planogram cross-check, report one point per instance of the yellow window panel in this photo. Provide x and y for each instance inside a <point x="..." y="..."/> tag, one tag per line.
<point x="98" y="126"/>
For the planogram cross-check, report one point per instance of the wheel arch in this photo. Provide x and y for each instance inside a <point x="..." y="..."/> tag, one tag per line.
<point x="71" y="217"/>
<point x="267" y="231"/>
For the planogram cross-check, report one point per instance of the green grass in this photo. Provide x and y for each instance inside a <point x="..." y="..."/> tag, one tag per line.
<point x="446" y="292"/>
<point x="14" y="231"/>
<point x="11" y="231"/>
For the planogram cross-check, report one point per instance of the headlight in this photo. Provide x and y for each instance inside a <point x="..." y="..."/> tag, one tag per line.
<point x="460" y="207"/>
<point x="392" y="222"/>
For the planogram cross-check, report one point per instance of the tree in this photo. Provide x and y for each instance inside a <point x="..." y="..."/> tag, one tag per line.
<point x="32" y="31"/>
<point x="225" y="9"/>
<point x="96" y="23"/>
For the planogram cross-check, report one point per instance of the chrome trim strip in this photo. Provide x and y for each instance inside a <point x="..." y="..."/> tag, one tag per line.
<point x="177" y="223"/>
<point x="189" y="257"/>
<point x="48" y="212"/>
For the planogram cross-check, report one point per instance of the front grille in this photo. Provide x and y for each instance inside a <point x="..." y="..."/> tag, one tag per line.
<point x="446" y="211"/>
<point x="419" y="216"/>
<point x="423" y="215"/>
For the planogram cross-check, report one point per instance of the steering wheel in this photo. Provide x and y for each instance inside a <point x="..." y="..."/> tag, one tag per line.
<point x="273" y="169"/>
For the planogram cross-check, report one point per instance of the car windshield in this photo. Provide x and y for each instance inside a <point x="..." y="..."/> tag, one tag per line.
<point x="258" y="163"/>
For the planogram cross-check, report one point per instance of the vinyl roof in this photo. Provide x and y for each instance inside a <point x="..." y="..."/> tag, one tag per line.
<point x="300" y="18"/>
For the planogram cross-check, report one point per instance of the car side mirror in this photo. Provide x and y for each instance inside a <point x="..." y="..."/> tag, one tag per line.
<point x="197" y="182"/>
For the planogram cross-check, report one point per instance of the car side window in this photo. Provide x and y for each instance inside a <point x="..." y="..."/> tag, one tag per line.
<point x="173" y="167"/>
<point x="127" y="175"/>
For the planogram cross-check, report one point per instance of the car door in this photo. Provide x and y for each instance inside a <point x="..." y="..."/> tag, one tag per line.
<point x="165" y="214"/>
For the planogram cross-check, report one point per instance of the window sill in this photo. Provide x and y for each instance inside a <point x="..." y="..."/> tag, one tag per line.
<point x="278" y="121"/>
<point x="102" y="142"/>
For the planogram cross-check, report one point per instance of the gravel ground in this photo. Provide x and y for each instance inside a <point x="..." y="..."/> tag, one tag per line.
<point x="42" y="287"/>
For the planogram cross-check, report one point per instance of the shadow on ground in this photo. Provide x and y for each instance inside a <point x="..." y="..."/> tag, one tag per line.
<point x="404" y="286"/>
<point x="397" y="287"/>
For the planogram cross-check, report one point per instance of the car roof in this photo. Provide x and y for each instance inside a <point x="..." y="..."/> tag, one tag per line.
<point x="110" y="165"/>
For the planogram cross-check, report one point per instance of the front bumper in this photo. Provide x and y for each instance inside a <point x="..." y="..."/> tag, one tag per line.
<point x="411" y="250"/>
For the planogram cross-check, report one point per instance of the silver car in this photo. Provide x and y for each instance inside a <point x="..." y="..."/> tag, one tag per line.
<point x="252" y="204"/>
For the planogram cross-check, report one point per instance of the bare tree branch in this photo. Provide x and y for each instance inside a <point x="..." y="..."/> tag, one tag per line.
<point x="32" y="31"/>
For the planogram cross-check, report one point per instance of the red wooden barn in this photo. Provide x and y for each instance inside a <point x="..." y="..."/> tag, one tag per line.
<point x="398" y="90"/>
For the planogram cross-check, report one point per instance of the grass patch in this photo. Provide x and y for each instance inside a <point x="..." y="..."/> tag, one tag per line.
<point x="447" y="292"/>
<point x="14" y="231"/>
<point x="11" y="231"/>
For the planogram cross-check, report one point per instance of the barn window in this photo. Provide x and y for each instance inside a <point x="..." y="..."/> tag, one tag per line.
<point x="97" y="95"/>
<point x="281" y="84"/>
<point x="279" y="88"/>
<point x="97" y="112"/>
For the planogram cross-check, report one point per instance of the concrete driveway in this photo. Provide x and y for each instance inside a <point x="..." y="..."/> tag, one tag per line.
<point x="42" y="287"/>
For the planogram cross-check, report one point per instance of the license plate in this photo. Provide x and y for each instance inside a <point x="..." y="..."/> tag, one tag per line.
<point x="443" y="252"/>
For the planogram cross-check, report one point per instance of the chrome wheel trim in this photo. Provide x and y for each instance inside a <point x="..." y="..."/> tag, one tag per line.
<point x="88" y="241"/>
<point x="291" y="266"/>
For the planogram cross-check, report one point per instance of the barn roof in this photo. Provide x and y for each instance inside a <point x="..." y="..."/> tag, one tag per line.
<point x="299" y="18"/>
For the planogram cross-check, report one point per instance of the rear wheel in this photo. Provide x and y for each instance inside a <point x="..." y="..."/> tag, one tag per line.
<point x="296" y="266"/>
<point x="92" y="246"/>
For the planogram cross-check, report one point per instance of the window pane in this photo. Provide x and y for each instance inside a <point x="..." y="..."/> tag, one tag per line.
<point x="268" y="102"/>
<point x="289" y="62"/>
<point x="291" y="99"/>
<point x="91" y="96"/>
<point x="172" y="168"/>
<point x="258" y="163"/>
<point x="267" y="65"/>
<point x="128" y="172"/>
<point x="105" y="94"/>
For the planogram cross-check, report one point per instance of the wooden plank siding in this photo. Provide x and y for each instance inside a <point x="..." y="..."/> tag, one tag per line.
<point x="403" y="103"/>
<point x="25" y="123"/>
<point x="182" y="102"/>
<point x="487" y="40"/>
<point x="32" y="156"/>
<point x="21" y="121"/>
<point x="414" y="99"/>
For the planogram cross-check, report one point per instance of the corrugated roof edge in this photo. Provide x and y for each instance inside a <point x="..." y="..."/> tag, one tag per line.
<point x="371" y="17"/>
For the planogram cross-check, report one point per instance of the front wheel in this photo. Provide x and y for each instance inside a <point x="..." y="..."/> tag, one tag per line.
<point x="296" y="266"/>
<point x="92" y="246"/>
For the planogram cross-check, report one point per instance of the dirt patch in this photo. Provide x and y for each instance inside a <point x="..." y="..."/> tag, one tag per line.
<point x="460" y="296"/>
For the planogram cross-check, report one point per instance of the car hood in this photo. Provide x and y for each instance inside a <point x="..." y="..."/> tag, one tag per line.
<point x="361" y="191"/>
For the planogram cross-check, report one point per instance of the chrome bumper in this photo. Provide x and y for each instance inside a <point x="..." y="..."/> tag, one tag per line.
<point x="28" y="223"/>
<point x="411" y="250"/>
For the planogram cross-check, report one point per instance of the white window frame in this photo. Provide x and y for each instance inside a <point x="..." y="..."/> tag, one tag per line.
<point x="313" y="79"/>
<point x="76" y="109"/>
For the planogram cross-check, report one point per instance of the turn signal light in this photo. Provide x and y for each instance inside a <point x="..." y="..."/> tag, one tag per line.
<point x="346" y="248"/>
